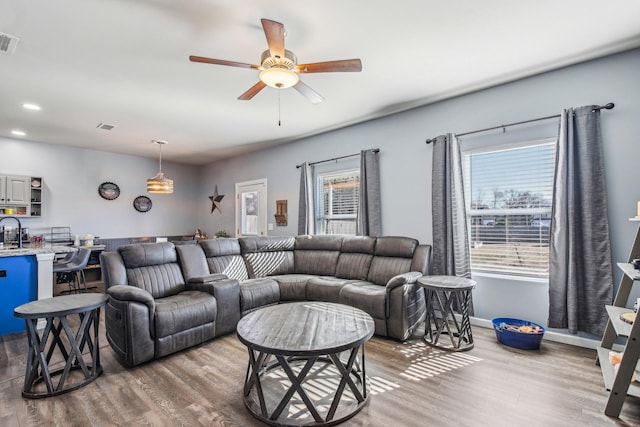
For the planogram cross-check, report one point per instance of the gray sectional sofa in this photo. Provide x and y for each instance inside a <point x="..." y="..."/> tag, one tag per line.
<point x="164" y="298"/>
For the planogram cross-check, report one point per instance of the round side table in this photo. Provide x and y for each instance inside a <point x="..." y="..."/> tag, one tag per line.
<point x="59" y="334"/>
<point x="444" y="293"/>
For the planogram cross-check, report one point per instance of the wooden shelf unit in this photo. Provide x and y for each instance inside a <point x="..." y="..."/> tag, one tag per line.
<point x="620" y="384"/>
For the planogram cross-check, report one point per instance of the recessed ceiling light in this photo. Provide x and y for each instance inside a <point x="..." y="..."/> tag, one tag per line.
<point x="29" y="106"/>
<point x="18" y="132"/>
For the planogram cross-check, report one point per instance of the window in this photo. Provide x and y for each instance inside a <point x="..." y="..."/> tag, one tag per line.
<point x="508" y="191"/>
<point x="337" y="202"/>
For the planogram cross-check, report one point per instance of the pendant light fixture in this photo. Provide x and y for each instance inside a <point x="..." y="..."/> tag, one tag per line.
<point x="159" y="184"/>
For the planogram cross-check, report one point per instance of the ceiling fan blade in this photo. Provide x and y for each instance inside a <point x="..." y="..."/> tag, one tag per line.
<point x="222" y="62"/>
<point x="253" y="91"/>
<point x="344" y="65"/>
<point x="313" y="96"/>
<point x="275" y="37"/>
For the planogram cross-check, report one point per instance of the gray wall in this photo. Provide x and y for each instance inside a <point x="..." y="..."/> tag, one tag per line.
<point x="72" y="175"/>
<point x="405" y="161"/>
<point x="70" y="193"/>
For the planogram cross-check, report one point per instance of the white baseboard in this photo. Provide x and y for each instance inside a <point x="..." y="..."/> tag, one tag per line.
<point x="548" y="335"/>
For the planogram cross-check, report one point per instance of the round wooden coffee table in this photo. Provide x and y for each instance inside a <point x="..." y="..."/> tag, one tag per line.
<point x="70" y="341"/>
<point x="306" y="362"/>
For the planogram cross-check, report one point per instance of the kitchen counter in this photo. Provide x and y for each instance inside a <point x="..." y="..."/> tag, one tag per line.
<point x="30" y="249"/>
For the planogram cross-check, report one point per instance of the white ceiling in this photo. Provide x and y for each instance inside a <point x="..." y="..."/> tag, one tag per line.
<point x="125" y="63"/>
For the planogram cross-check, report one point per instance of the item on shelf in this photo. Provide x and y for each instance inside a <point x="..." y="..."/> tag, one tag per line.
<point x="615" y="359"/>
<point x="628" y="317"/>
<point x="88" y="240"/>
<point x="222" y="233"/>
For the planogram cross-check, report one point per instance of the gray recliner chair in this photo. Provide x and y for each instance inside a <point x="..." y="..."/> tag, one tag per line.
<point x="152" y="311"/>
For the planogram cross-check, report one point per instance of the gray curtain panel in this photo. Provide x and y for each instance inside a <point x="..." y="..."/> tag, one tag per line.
<point x="306" y="213"/>
<point x="580" y="272"/>
<point x="369" y="221"/>
<point x="450" y="233"/>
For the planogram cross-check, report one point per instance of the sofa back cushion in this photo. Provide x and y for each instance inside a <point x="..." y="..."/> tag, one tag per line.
<point x="267" y="256"/>
<point x="317" y="255"/>
<point x="392" y="256"/>
<point x="355" y="257"/>
<point x="223" y="256"/>
<point x="153" y="267"/>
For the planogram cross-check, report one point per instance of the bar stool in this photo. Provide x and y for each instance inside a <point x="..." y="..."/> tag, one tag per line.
<point x="74" y="270"/>
<point x="65" y="260"/>
<point x="442" y="293"/>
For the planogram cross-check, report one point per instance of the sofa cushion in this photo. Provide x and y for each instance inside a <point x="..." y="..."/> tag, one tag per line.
<point x="231" y="265"/>
<point x="223" y="256"/>
<point x="160" y="281"/>
<point x="319" y="242"/>
<point x="368" y="297"/>
<point x="325" y="289"/>
<point x="318" y="263"/>
<point x="256" y="293"/>
<point x="144" y="254"/>
<point x="353" y="266"/>
<point x="395" y="246"/>
<point x="358" y="244"/>
<point x="293" y="287"/>
<point x="384" y="268"/>
<point x="219" y="247"/>
<point x="266" y="244"/>
<point x="183" y="311"/>
<point x="267" y="256"/>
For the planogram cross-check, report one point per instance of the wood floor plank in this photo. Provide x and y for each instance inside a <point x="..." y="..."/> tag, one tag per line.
<point x="411" y="384"/>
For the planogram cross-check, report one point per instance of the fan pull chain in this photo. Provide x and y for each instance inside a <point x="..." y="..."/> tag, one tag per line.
<point x="279" y="123"/>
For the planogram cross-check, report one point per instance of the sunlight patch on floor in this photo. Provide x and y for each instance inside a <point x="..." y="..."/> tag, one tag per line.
<point x="429" y="361"/>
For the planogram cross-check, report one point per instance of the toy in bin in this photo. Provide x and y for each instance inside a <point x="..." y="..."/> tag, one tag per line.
<point x="518" y="333"/>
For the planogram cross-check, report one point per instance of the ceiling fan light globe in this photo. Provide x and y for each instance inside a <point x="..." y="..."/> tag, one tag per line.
<point x="279" y="78"/>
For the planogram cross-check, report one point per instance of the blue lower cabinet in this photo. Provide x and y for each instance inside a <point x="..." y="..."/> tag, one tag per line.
<point x="18" y="285"/>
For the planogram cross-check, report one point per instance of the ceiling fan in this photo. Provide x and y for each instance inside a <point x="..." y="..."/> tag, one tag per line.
<point x="279" y="68"/>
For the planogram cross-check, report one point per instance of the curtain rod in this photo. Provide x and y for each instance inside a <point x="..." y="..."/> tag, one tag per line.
<point x="375" y="150"/>
<point x="608" y="106"/>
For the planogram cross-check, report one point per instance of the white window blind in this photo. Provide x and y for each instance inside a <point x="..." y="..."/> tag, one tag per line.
<point x="508" y="192"/>
<point x="337" y="202"/>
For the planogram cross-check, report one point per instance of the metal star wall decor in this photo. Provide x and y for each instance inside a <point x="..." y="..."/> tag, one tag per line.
<point x="216" y="200"/>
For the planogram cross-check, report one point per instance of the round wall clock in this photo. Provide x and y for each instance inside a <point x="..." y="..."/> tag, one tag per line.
<point x="109" y="191"/>
<point x="142" y="204"/>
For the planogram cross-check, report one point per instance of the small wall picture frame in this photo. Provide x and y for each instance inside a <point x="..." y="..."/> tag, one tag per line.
<point x="142" y="204"/>
<point x="109" y="190"/>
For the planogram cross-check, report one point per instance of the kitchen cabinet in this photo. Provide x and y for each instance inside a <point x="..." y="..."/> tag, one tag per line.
<point x="20" y="195"/>
<point x="18" y="285"/>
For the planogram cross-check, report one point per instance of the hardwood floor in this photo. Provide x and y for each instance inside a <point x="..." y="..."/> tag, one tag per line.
<point x="411" y="385"/>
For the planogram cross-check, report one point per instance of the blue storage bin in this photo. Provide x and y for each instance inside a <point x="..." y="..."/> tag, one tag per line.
<point x="521" y="340"/>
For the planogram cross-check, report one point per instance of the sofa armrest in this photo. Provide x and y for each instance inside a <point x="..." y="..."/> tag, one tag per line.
<point x="129" y="320"/>
<point x="403" y="279"/>
<point x="128" y="293"/>
<point x="227" y="295"/>
<point x="193" y="282"/>
<point x="131" y="293"/>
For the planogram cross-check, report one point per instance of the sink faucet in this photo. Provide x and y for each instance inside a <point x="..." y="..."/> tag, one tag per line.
<point x="19" y="228"/>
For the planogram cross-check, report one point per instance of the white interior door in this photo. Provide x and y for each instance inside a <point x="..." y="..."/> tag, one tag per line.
<point x="251" y="208"/>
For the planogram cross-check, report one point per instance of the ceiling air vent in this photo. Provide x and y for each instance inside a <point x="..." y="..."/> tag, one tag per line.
<point x="105" y="126"/>
<point x="8" y="43"/>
